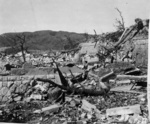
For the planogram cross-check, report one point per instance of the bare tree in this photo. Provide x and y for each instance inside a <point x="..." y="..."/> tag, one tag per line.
<point x="18" y="42"/>
<point x="96" y="38"/>
<point x="120" y="24"/>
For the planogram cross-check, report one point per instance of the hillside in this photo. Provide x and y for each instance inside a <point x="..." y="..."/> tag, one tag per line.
<point x="45" y="40"/>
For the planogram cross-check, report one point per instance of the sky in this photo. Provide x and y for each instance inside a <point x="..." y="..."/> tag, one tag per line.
<point x="69" y="15"/>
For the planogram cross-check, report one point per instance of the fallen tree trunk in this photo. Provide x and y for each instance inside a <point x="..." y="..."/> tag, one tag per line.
<point x="75" y="90"/>
<point x="131" y="77"/>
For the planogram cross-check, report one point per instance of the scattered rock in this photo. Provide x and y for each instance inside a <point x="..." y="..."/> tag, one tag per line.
<point x="36" y="97"/>
<point x="9" y="84"/>
<point x="90" y="108"/>
<point x="17" y="98"/>
<point x="8" y="94"/>
<point x="4" y="91"/>
<point x="21" y="89"/>
<point x="5" y="98"/>
<point x="13" y="88"/>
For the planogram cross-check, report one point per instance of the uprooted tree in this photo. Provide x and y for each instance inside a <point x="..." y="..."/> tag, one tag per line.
<point x="71" y="89"/>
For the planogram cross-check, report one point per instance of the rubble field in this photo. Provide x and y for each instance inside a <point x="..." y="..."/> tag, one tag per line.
<point x="103" y="82"/>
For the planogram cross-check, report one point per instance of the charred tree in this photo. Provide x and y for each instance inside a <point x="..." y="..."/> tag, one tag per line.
<point x="120" y="24"/>
<point x="18" y="42"/>
<point x="76" y="90"/>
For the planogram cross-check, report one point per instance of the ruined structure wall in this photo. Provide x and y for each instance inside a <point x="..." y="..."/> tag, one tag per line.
<point x="16" y="86"/>
<point x="140" y="52"/>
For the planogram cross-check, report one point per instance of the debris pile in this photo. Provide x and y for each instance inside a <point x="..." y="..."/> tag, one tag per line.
<point x="51" y="102"/>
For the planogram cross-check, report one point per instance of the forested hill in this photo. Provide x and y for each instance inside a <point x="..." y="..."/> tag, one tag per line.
<point x="45" y="40"/>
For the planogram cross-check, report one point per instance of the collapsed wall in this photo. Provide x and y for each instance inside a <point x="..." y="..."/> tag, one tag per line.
<point x="140" y="52"/>
<point x="13" y="88"/>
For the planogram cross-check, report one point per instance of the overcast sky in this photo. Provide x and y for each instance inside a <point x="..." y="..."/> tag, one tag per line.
<point x="68" y="15"/>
